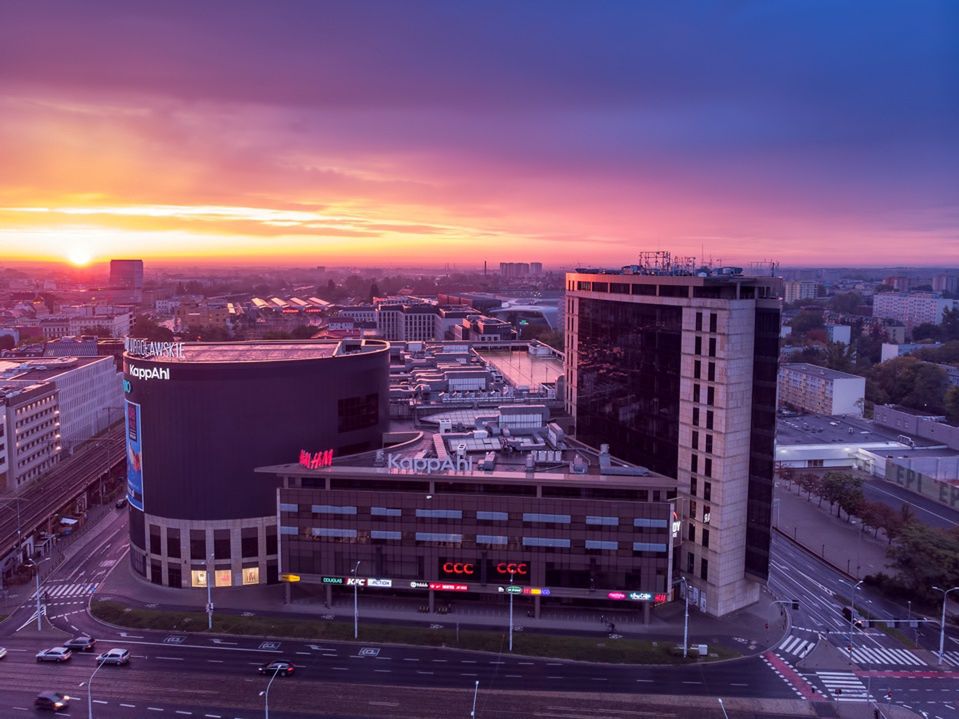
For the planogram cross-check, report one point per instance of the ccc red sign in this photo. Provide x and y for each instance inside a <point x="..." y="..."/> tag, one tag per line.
<point x="512" y="568"/>
<point x="459" y="567"/>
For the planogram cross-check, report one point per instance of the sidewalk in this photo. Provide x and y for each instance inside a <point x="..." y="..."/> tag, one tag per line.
<point x="848" y="547"/>
<point x="747" y="631"/>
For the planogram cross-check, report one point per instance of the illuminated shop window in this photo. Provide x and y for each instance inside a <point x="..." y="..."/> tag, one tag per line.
<point x="223" y="578"/>
<point x="251" y="575"/>
<point x="198" y="578"/>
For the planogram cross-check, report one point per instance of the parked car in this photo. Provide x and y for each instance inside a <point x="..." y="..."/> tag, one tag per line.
<point x="51" y="701"/>
<point x="81" y="643"/>
<point x="282" y="668"/>
<point x="114" y="656"/>
<point x="55" y="654"/>
<point x="121" y="503"/>
<point x="3" y="652"/>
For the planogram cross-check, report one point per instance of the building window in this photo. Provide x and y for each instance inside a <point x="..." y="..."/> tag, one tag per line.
<point x="602" y="521"/>
<point x="289" y="531"/>
<point x="250" y="543"/>
<point x="383" y="534"/>
<point x="198" y="578"/>
<point x="386" y="512"/>
<point x="494" y="539"/>
<point x="358" y="412"/>
<point x="439" y="513"/>
<point x="601" y="544"/>
<point x="534" y="517"/>
<point x="712" y="346"/>
<point x="692" y="510"/>
<point x="706" y="538"/>
<point x="709" y="419"/>
<point x="707" y="491"/>
<point x="440" y="537"/>
<point x="706" y="513"/>
<point x="653" y="523"/>
<point x="711" y="372"/>
<point x="699" y="321"/>
<point x="649" y="547"/>
<point x="197" y="544"/>
<point x="332" y="509"/>
<point x="695" y="416"/>
<point x="709" y="443"/>
<point x="333" y="532"/>
<point x="704" y="569"/>
<point x="694" y="463"/>
<point x="695" y="440"/>
<point x="492" y="516"/>
<point x="691" y="534"/>
<point x="284" y="507"/>
<point x="546" y="542"/>
<point x="690" y="558"/>
<point x="697" y="369"/>
<point x="698" y="345"/>
<point x="251" y="575"/>
<point x="695" y="393"/>
<point x="708" y="468"/>
<point x="692" y="486"/>
<point x="223" y="578"/>
<point x="710" y="396"/>
<point x="713" y="321"/>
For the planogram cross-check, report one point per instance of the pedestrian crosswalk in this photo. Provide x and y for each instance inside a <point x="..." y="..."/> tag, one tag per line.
<point x="951" y="658"/>
<point x="60" y="591"/>
<point x="798" y="646"/>
<point x="844" y="686"/>
<point x="883" y="655"/>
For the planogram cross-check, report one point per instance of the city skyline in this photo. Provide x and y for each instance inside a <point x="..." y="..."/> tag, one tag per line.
<point x="366" y="134"/>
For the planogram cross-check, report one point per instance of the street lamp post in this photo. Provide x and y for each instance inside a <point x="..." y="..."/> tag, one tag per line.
<point x="852" y="614"/>
<point x="685" y="616"/>
<point x="356" y="602"/>
<point x="36" y="567"/>
<point x="723" y="707"/>
<point x="90" y="690"/>
<point x="942" y="623"/>
<point x="210" y="575"/>
<point x="475" y="692"/>
<point x="266" y="694"/>
<point x="511" y="613"/>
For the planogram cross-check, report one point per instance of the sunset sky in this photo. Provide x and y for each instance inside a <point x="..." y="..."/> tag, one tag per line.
<point x="406" y="132"/>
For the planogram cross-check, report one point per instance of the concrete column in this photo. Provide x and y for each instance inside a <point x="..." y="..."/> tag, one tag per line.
<point x="432" y="600"/>
<point x="646" y="610"/>
<point x="329" y="596"/>
<point x="288" y="593"/>
<point x="536" y="606"/>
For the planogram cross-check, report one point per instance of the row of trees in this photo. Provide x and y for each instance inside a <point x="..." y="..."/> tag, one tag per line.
<point x="922" y="556"/>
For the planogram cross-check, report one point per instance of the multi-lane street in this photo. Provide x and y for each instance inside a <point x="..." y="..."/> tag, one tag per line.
<point x="184" y="674"/>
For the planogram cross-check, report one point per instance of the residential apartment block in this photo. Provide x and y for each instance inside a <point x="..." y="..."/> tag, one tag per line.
<point x="821" y="390"/>
<point x="911" y="308"/>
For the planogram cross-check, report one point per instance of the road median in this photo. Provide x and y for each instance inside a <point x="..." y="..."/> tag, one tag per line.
<point x="578" y="648"/>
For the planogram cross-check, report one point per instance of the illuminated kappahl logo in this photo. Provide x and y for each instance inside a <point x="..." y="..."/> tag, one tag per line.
<point x="433" y="464"/>
<point x="146" y="373"/>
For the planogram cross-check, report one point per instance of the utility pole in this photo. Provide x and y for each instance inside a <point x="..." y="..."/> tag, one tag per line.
<point x="942" y="623"/>
<point x="210" y="575"/>
<point x="685" y="617"/>
<point x="511" y="614"/>
<point x="475" y="692"/>
<point x="356" y="602"/>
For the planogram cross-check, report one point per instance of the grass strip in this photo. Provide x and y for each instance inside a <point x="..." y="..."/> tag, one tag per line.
<point x="594" y="649"/>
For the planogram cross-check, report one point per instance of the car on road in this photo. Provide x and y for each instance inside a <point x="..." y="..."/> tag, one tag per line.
<point x="281" y="667"/>
<point x="81" y="643"/>
<point x="3" y="652"/>
<point x="51" y="701"/>
<point x="114" y="656"/>
<point x="54" y="654"/>
<point x="121" y="503"/>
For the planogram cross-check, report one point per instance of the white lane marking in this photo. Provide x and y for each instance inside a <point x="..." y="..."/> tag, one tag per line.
<point x="172" y="659"/>
<point x="100" y="701"/>
<point x="129" y="706"/>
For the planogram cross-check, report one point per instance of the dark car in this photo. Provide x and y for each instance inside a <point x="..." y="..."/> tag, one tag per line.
<point x="281" y="667"/>
<point x="82" y="643"/>
<point x="121" y="503"/>
<point x="51" y="701"/>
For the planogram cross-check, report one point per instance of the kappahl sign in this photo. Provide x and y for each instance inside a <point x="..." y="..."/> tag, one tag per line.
<point x="146" y="373"/>
<point x="428" y="466"/>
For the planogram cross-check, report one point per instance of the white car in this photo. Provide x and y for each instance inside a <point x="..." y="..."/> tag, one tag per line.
<point x="56" y="654"/>
<point x="3" y="652"/>
<point x="115" y="656"/>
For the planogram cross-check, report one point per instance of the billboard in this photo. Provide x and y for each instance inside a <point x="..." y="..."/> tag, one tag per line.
<point x="134" y="456"/>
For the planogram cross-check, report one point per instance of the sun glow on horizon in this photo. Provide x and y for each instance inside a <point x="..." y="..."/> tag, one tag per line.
<point x="79" y="255"/>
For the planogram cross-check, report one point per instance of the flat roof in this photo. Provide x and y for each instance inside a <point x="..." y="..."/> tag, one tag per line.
<point x="265" y="351"/>
<point x="818" y="371"/>
<point x="46" y="368"/>
<point x="824" y="429"/>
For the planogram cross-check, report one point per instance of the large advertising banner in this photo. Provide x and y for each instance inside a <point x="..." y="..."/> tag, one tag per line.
<point x="134" y="456"/>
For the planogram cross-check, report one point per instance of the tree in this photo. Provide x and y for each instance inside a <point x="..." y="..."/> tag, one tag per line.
<point x="951" y="403"/>
<point x="852" y="501"/>
<point x="926" y="331"/>
<point x="374" y="291"/>
<point x="96" y="331"/>
<point x="846" y="302"/>
<point x="807" y="320"/>
<point x="7" y="342"/>
<point x="925" y="557"/>
<point x="833" y="486"/>
<point x="303" y="332"/>
<point x="839" y="356"/>
<point x="910" y="382"/>
<point x="950" y="324"/>
<point x="145" y="328"/>
<point x="205" y="333"/>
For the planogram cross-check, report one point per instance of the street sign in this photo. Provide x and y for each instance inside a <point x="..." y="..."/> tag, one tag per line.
<point x="514" y="589"/>
<point x="289" y="577"/>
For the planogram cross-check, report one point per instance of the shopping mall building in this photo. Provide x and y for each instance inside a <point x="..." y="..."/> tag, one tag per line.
<point x="200" y="417"/>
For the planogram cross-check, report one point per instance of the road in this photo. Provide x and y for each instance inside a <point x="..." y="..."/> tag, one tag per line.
<point x="926" y="511"/>
<point x="172" y="674"/>
<point x="875" y="663"/>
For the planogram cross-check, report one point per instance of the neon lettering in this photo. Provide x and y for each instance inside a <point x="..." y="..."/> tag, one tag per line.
<point x="430" y="465"/>
<point x="512" y="568"/>
<point x="146" y="373"/>
<point x="459" y="568"/>
<point x="316" y="460"/>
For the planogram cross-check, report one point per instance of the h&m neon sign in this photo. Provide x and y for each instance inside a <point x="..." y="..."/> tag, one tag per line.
<point x="316" y="460"/>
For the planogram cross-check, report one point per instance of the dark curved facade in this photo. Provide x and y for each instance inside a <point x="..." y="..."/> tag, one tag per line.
<point x="199" y="424"/>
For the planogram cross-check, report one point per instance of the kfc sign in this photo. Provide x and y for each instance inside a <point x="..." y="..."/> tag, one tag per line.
<point x="507" y="568"/>
<point x="459" y="568"/>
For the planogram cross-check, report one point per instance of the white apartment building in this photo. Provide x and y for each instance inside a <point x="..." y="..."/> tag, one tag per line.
<point x="407" y="322"/>
<point x="911" y="308"/>
<point x="794" y="290"/>
<point x="839" y="333"/>
<point x="820" y="390"/>
<point x="30" y="439"/>
<point x="90" y="392"/>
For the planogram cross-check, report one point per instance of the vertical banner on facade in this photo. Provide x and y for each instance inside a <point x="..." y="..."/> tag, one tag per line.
<point x="134" y="456"/>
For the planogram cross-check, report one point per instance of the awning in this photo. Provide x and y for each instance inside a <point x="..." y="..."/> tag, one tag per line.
<point x="69" y="521"/>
